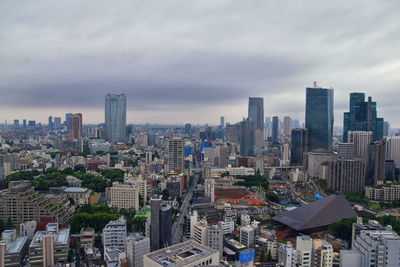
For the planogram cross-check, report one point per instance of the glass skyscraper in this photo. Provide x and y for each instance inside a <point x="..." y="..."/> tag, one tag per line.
<point x="362" y="117"/>
<point x="319" y="118"/>
<point x="115" y="118"/>
<point x="256" y="112"/>
<point x="246" y="137"/>
<point x="275" y="130"/>
<point x="299" y="146"/>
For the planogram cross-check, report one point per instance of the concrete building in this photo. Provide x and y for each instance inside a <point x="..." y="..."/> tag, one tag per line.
<point x="124" y="196"/>
<point x="186" y="254"/>
<point x="393" y="149"/>
<point x="287" y="255"/>
<point x="315" y="160"/>
<point x="346" y="176"/>
<point x="245" y="220"/>
<point x="227" y="226"/>
<point x="200" y="231"/>
<point x="287" y="126"/>
<point x="80" y="195"/>
<point x="136" y="247"/>
<point x="161" y="224"/>
<point x="49" y="247"/>
<point x="388" y="192"/>
<point x="376" y="164"/>
<point x="87" y="238"/>
<point x="75" y="130"/>
<point x="114" y="235"/>
<point x="378" y="248"/>
<point x="13" y="249"/>
<point x="209" y="188"/>
<point x="299" y="146"/>
<point x="115" y="118"/>
<point x="175" y="154"/>
<point x="361" y="141"/>
<point x="350" y="258"/>
<point x="346" y="150"/>
<point x="304" y="248"/>
<point x="22" y="203"/>
<point x="247" y="236"/>
<point x="323" y="253"/>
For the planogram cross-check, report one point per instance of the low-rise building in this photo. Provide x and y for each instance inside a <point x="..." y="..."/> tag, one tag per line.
<point x="81" y="196"/>
<point x="87" y="238"/>
<point x="387" y="192"/>
<point x="124" y="196"/>
<point x="12" y="249"/>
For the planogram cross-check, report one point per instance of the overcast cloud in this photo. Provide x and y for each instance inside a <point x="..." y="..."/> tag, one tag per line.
<point x="193" y="61"/>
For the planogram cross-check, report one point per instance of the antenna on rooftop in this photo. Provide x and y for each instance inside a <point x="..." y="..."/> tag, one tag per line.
<point x="315" y="84"/>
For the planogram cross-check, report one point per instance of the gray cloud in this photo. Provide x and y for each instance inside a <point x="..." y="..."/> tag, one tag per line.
<point x="196" y="60"/>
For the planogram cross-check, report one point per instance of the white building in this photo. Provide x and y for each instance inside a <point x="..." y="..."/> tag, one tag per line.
<point x="247" y="236"/>
<point x="227" y="226"/>
<point x="315" y="159"/>
<point x="304" y="251"/>
<point x="287" y="255"/>
<point x="209" y="188"/>
<point x="393" y="149"/>
<point x="175" y="154"/>
<point x="361" y="141"/>
<point x="114" y="235"/>
<point x="245" y="220"/>
<point x="136" y="247"/>
<point x="378" y="247"/>
<point x="323" y="253"/>
<point x="124" y="196"/>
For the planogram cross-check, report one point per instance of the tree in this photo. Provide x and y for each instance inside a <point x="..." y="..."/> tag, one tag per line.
<point x="271" y="196"/>
<point x="343" y="229"/>
<point x="269" y="256"/>
<point x="262" y="255"/>
<point x="80" y="168"/>
<point x="10" y="224"/>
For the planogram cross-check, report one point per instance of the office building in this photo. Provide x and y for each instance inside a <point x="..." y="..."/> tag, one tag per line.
<point x="247" y="137"/>
<point x="124" y="196"/>
<point x="22" y="203"/>
<point x="57" y="123"/>
<point x="161" y="224"/>
<point x="115" y="118"/>
<point x="16" y="124"/>
<point x="315" y="162"/>
<point x="175" y="154"/>
<point x="136" y="247"/>
<point x="362" y="117"/>
<point x="209" y="188"/>
<point x="114" y="235"/>
<point x="393" y="149"/>
<point x="304" y="249"/>
<point x="275" y="130"/>
<point x="13" y="249"/>
<point x="50" y="124"/>
<point x="222" y="122"/>
<point x="247" y="236"/>
<point x="50" y="247"/>
<point x="376" y="164"/>
<point x="185" y="254"/>
<point x="75" y="124"/>
<point x="287" y="126"/>
<point x="232" y="133"/>
<point x="390" y="170"/>
<point x="378" y="247"/>
<point x="386" y="129"/>
<point x="346" y="150"/>
<point x="256" y="112"/>
<point x="299" y="146"/>
<point x="361" y="141"/>
<point x="319" y="118"/>
<point x="346" y="176"/>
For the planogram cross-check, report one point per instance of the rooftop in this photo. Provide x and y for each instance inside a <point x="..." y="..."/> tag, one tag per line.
<point x="16" y="246"/>
<point x="61" y="237"/>
<point x="75" y="190"/>
<point x="181" y="254"/>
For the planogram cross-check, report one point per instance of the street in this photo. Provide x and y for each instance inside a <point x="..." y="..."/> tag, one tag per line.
<point x="177" y="230"/>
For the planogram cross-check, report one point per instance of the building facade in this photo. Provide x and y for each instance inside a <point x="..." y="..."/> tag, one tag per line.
<point x="115" y="118"/>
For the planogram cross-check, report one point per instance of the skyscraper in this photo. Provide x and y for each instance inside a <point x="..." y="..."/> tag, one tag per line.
<point x="75" y="124"/>
<point x="161" y="224"/>
<point x="256" y="112"/>
<point x="115" y="118"/>
<point x="175" y="154"/>
<point x="275" y="130"/>
<point x="287" y="126"/>
<point x="246" y="137"/>
<point x="57" y="123"/>
<point x="299" y="145"/>
<point x="362" y="117"/>
<point x="319" y="118"/>
<point x="222" y="122"/>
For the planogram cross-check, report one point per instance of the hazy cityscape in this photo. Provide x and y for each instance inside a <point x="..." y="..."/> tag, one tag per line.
<point x="181" y="134"/>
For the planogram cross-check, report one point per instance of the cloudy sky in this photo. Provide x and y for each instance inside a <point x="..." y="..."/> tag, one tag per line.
<point x="193" y="61"/>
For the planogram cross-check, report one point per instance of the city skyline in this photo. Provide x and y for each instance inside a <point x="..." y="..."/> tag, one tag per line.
<point x="204" y="61"/>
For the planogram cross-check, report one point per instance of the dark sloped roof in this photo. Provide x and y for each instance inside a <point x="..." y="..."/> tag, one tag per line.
<point x="316" y="214"/>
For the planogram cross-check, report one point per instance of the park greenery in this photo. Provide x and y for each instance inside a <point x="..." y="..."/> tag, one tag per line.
<point x="252" y="181"/>
<point x="53" y="177"/>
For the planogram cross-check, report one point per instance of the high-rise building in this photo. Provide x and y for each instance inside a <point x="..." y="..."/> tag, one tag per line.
<point x="287" y="126"/>
<point x="376" y="163"/>
<point x="222" y="122"/>
<point x="319" y="118"/>
<point x="246" y="137"/>
<point x="75" y="126"/>
<point x="275" y="130"/>
<point x="188" y="128"/>
<point x="323" y="253"/>
<point x="13" y="249"/>
<point x="16" y="124"/>
<point x="136" y="247"/>
<point x="393" y="149"/>
<point x="346" y="175"/>
<point x="346" y="150"/>
<point x="247" y="236"/>
<point x="287" y="255"/>
<point x="124" y="196"/>
<point x="256" y="112"/>
<point x="232" y="133"/>
<point x="386" y="129"/>
<point x="161" y="224"/>
<point x="299" y="145"/>
<point x="51" y="123"/>
<point x="114" y="235"/>
<point x="304" y="247"/>
<point x="209" y="187"/>
<point x="57" y="123"/>
<point x="361" y="141"/>
<point x="362" y="117"/>
<point x="24" y="123"/>
<point x="175" y="154"/>
<point x="115" y="118"/>
<point x="68" y="121"/>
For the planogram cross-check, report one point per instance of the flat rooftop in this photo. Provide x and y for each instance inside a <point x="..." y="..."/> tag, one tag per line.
<point x="181" y="254"/>
<point x="16" y="246"/>
<point x="61" y="237"/>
